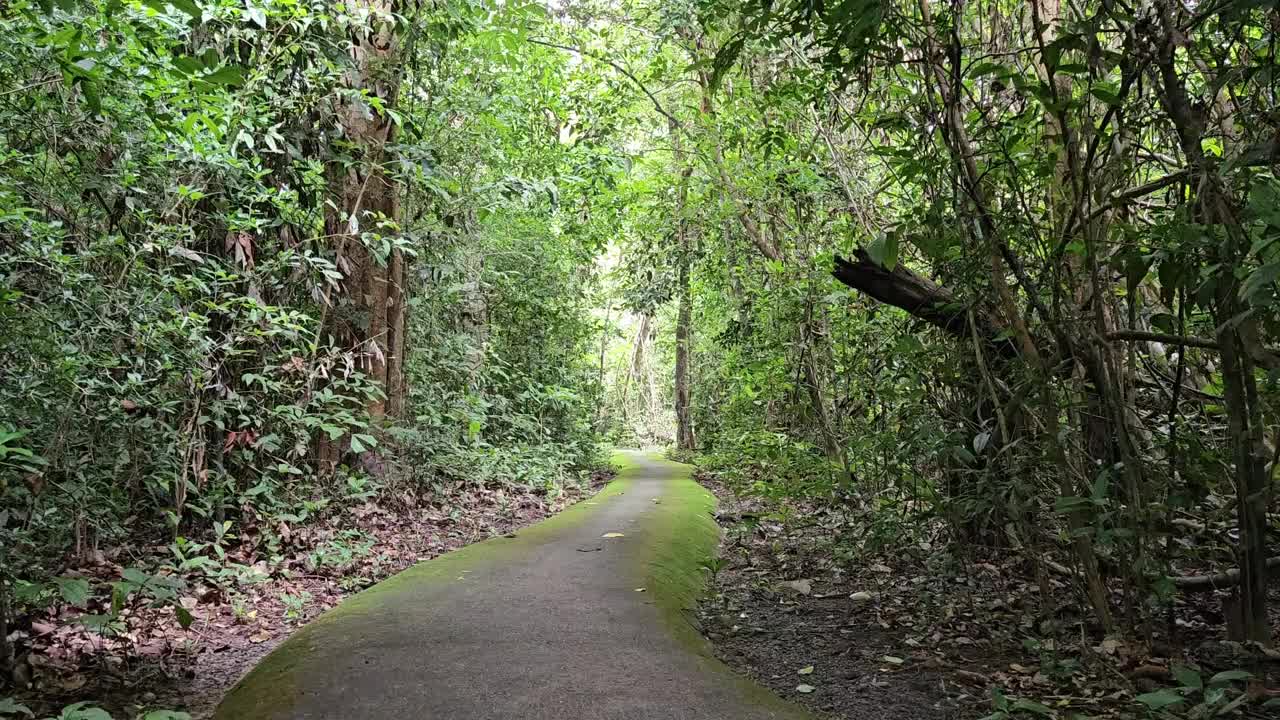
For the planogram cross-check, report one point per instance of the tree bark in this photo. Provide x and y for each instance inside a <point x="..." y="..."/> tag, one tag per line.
<point x="6" y="648"/>
<point x="684" y="315"/>
<point x="685" y="439"/>
<point x="813" y="384"/>
<point x="366" y="207"/>
<point x="922" y="299"/>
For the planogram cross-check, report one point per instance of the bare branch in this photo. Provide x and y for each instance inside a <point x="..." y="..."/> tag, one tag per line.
<point x="1167" y="339"/>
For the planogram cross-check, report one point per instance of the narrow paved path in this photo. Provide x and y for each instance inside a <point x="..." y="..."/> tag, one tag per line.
<point x="549" y="625"/>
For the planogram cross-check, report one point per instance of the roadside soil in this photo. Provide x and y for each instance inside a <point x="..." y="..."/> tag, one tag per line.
<point x="285" y="579"/>
<point x="808" y="602"/>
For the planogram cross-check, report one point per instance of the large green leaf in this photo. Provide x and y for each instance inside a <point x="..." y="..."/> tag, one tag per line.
<point x="1161" y="699"/>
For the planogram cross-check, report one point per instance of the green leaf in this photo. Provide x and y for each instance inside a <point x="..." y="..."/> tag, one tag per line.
<point x="185" y="618"/>
<point x="1187" y="677"/>
<point x="1160" y="699"/>
<point x="166" y="715"/>
<point x="9" y="706"/>
<point x="119" y="592"/>
<point x="81" y="711"/>
<point x="1107" y="93"/>
<point x="97" y="623"/>
<point x="187" y="6"/>
<point x="91" y="95"/>
<point x="229" y="75"/>
<point x="884" y="250"/>
<point x="74" y="591"/>
<point x="998" y="699"/>
<point x="1101" y="485"/>
<point x="986" y="67"/>
<point x="361" y="442"/>
<point x="1030" y="706"/>
<point x="188" y="65"/>
<point x="1258" y="280"/>
<point x="257" y="15"/>
<point x="1069" y="504"/>
<point x="1228" y="676"/>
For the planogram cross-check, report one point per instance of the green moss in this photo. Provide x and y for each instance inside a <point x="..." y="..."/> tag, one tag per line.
<point x="623" y="461"/>
<point x="681" y="539"/>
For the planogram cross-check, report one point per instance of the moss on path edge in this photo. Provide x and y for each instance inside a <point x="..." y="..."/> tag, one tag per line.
<point x="682" y="539"/>
<point x="678" y="537"/>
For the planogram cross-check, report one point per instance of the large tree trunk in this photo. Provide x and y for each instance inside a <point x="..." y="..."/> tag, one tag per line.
<point x="366" y="204"/>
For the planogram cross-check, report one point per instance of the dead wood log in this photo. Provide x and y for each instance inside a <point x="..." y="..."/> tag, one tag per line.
<point x="1185" y="583"/>
<point x="922" y="299"/>
<point x="1221" y="581"/>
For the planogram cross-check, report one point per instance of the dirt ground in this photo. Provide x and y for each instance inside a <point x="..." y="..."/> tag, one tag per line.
<point x="916" y="632"/>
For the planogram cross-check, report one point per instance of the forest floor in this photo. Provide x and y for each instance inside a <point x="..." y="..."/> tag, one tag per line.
<point x="155" y="664"/>
<point x="914" y="631"/>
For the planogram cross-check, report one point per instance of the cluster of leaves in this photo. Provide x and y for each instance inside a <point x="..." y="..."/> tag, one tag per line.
<point x="81" y="711"/>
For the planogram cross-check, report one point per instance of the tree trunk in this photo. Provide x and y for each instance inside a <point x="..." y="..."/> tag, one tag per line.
<point x="813" y="384"/>
<point x="366" y="208"/>
<point x="1236" y="335"/>
<point x="922" y="299"/>
<point x="6" y="647"/>
<point x="684" y="420"/>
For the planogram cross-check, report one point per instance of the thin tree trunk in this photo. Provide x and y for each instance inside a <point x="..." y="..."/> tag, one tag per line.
<point x="1236" y="336"/>
<point x="813" y="385"/>
<point x="604" y="344"/>
<point x="684" y="420"/>
<point x="633" y="370"/>
<point x="6" y="647"/>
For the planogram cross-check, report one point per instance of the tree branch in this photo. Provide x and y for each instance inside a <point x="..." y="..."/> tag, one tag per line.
<point x="1144" y="336"/>
<point x="922" y="299"/>
<point x="1132" y="194"/>
<point x="1205" y="583"/>
<point x="600" y="58"/>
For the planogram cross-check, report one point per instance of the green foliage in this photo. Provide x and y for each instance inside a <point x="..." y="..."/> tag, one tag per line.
<point x="83" y="711"/>
<point x="185" y="323"/>
<point x="1196" y="697"/>
<point x="176" y="308"/>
